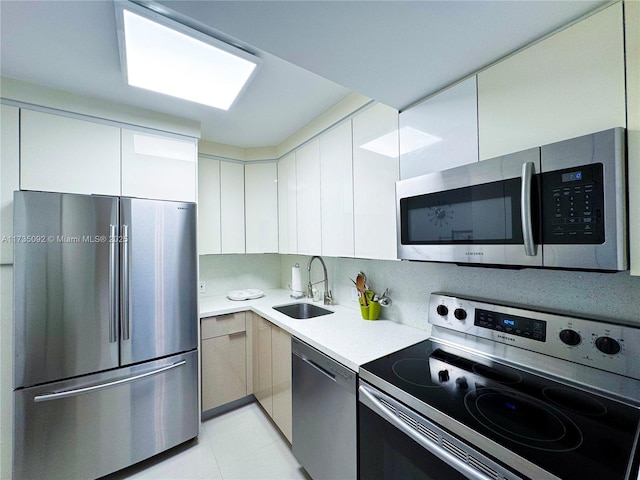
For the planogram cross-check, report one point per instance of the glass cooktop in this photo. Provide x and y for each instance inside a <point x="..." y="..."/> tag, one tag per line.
<point x="567" y="432"/>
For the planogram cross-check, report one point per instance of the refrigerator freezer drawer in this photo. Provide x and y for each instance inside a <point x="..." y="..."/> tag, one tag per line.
<point x="95" y="425"/>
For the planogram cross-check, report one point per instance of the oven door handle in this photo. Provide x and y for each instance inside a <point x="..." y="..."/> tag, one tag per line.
<point x="525" y="209"/>
<point x="367" y="397"/>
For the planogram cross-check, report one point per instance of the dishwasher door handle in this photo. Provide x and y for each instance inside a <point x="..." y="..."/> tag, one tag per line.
<point x="317" y="367"/>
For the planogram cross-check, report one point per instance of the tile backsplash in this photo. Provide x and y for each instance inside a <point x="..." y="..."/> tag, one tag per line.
<point x="223" y="273"/>
<point x="612" y="296"/>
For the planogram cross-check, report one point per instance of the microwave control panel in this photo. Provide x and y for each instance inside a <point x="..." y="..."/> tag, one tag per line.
<point x="573" y="205"/>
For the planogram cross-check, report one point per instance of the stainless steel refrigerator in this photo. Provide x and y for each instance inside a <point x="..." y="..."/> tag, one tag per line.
<point x="105" y="332"/>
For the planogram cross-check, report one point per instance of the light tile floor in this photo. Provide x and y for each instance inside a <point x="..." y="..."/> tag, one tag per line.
<point x="241" y="444"/>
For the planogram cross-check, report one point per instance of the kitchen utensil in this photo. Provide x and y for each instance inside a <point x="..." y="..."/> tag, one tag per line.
<point x="384" y="300"/>
<point x="360" y="281"/>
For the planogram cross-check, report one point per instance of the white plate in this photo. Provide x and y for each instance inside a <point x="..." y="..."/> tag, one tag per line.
<point x="247" y="294"/>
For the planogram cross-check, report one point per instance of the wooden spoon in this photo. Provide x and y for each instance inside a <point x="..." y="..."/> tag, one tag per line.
<point x="360" y="281"/>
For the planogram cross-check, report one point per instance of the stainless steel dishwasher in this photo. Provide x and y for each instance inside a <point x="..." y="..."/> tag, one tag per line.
<point x="324" y="414"/>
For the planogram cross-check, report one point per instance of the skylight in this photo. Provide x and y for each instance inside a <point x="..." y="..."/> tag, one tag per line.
<point x="167" y="57"/>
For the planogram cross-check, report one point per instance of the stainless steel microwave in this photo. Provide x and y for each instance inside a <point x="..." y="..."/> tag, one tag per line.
<point x="561" y="205"/>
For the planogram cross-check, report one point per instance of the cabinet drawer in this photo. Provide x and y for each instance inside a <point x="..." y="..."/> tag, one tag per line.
<point x="222" y="325"/>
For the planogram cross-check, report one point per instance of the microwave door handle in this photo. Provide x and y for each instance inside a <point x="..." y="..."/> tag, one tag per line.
<point x="525" y="209"/>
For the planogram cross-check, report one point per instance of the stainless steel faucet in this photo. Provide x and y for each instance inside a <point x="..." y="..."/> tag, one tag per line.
<point x="328" y="299"/>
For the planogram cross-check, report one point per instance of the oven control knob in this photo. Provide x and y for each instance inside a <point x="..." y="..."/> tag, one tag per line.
<point x="460" y="313"/>
<point x="443" y="376"/>
<point x="570" y="337"/>
<point x="442" y="310"/>
<point x="607" y="345"/>
<point x="462" y="384"/>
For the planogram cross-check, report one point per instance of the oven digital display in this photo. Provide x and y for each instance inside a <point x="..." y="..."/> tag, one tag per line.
<point x="512" y="324"/>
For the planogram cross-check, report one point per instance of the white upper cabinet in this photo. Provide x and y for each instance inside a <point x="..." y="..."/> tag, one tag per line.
<point x="440" y="132"/>
<point x="9" y="175"/>
<point x="632" y="42"/>
<point x="567" y="85"/>
<point x="287" y="210"/>
<point x="62" y="154"/>
<point x="261" y="207"/>
<point x="336" y="191"/>
<point x="209" y="241"/>
<point x="375" y="172"/>
<point x="309" y="224"/>
<point x="232" y="207"/>
<point x="158" y="167"/>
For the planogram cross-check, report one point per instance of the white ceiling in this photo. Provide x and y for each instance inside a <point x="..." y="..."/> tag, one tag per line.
<point x="314" y="52"/>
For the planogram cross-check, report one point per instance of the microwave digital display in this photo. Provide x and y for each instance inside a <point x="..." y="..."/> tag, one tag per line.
<point x="571" y="176"/>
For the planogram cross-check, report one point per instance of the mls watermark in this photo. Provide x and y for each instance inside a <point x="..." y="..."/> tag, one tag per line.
<point x="63" y="239"/>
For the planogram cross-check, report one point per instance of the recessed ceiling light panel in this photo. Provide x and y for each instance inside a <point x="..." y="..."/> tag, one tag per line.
<point x="165" y="56"/>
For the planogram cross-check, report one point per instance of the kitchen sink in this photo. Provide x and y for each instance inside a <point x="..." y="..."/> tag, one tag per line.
<point x="302" y="311"/>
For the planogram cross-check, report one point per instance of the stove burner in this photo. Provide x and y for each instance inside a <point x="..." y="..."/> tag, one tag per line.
<point x="506" y="377"/>
<point x="414" y="371"/>
<point x="523" y="420"/>
<point x="575" y="401"/>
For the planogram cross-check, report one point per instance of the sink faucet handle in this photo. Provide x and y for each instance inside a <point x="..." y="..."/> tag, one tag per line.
<point x="328" y="298"/>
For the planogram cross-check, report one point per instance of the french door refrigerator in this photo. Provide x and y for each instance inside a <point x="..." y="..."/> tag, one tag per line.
<point x="105" y="332"/>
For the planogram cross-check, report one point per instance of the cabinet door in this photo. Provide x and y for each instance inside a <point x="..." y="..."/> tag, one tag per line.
<point x="208" y="206"/>
<point x="158" y="167"/>
<point x="9" y="176"/>
<point x="375" y="172"/>
<point x="262" y="370"/>
<point x="308" y="199"/>
<point x="261" y="207"/>
<point x="287" y="210"/>
<point x="66" y="155"/>
<point x="281" y="361"/>
<point x="232" y="207"/>
<point x="336" y="191"/>
<point x="211" y="327"/>
<point x="224" y="369"/>
<point x="441" y="132"/>
<point x="567" y="85"/>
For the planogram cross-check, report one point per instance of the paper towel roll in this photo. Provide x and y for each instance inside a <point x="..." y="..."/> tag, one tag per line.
<point x="296" y="279"/>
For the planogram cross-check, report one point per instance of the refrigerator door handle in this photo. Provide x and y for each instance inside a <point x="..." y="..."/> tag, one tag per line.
<point x="125" y="283"/>
<point x="80" y="391"/>
<point x="113" y="285"/>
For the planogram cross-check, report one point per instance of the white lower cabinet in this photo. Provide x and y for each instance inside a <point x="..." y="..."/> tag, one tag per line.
<point x="225" y="359"/>
<point x="272" y="372"/>
<point x="68" y="155"/>
<point x="375" y="173"/>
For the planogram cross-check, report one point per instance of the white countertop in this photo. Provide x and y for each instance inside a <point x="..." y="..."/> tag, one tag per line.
<point x="343" y="335"/>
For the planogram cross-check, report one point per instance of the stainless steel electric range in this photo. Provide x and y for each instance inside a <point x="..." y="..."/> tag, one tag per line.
<point x="504" y="392"/>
